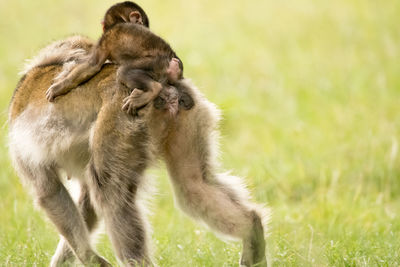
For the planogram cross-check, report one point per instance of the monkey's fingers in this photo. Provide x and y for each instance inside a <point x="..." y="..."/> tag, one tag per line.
<point x="50" y="95"/>
<point x="54" y="91"/>
<point x="128" y="106"/>
<point x="125" y="105"/>
<point x="132" y="108"/>
<point x="126" y="100"/>
<point x="129" y="101"/>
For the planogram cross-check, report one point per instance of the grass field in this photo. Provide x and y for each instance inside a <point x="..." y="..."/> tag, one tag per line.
<point x="310" y="93"/>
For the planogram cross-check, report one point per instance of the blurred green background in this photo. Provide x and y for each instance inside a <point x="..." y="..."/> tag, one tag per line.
<point x="310" y="93"/>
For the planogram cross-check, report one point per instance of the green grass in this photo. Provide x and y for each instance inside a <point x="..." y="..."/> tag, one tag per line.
<point x="310" y="95"/>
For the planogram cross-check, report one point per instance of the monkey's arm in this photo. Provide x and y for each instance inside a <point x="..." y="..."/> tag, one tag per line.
<point x="155" y="66"/>
<point x="163" y="68"/>
<point x="79" y="74"/>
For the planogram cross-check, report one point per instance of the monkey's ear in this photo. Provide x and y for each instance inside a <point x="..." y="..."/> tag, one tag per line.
<point x="135" y="17"/>
<point x="103" y="25"/>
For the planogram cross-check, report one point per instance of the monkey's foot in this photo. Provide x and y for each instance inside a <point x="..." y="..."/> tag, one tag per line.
<point x="53" y="91"/>
<point x="253" y="253"/>
<point x="50" y="94"/>
<point x="135" y="101"/>
<point x="102" y="262"/>
<point x="262" y="263"/>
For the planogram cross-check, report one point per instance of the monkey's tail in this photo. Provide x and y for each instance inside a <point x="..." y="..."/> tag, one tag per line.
<point x="59" y="52"/>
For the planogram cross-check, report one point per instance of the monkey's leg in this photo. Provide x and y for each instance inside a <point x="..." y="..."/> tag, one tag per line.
<point x="64" y="255"/>
<point x="80" y="73"/>
<point x="120" y="155"/>
<point x="55" y="200"/>
<point x="206" y="195"/>
<point x="219" y="205"/>
<point x="126" y="227"/>
<point x="144" y="88"/>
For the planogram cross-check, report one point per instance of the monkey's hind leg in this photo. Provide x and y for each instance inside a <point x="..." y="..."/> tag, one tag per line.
<point x="220" y="200"/>
<point x="120" y="156"/>
<point x="64" y="255"/>
<point x="220" y="206"/>
<point x="55" y="200"/>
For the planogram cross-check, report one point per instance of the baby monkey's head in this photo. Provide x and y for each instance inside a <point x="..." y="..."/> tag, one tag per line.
<point x="124" y="12"/>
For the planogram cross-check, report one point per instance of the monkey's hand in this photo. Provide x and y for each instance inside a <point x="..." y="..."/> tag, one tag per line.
<point x="135" y="101"/>
<point x="174" y="70"/>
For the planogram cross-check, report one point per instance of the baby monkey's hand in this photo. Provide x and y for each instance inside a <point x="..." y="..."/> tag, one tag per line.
<point x="174" y="71"/>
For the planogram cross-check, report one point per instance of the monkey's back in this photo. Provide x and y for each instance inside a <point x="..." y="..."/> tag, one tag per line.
<point x="41" y="132"/>
<point x="31" y="89"/>
<point x="127" y="41"/>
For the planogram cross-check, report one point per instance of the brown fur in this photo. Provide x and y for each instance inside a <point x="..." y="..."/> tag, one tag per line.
<point x="146" y="61"/>
<point x="87" y="135"/>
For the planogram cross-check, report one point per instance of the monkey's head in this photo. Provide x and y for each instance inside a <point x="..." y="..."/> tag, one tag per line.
<point x="124" y="12"/>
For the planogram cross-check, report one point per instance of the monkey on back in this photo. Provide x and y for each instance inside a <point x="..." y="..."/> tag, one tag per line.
<point x="108" y="151"/>
<point x="147" y="62"/>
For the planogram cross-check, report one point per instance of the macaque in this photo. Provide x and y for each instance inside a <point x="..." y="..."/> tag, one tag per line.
<point x="146" y="61"/>
<point x="87" y="136"/>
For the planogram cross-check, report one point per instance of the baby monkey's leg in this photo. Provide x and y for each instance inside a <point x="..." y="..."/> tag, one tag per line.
<point x="80" y="73"/>
<point x="144" y="88"/>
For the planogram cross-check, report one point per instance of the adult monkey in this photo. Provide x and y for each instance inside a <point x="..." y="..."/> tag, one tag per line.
<point x="86" y="134"/>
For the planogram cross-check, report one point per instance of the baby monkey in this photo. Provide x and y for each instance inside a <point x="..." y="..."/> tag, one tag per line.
<point x="147" y="62"/>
